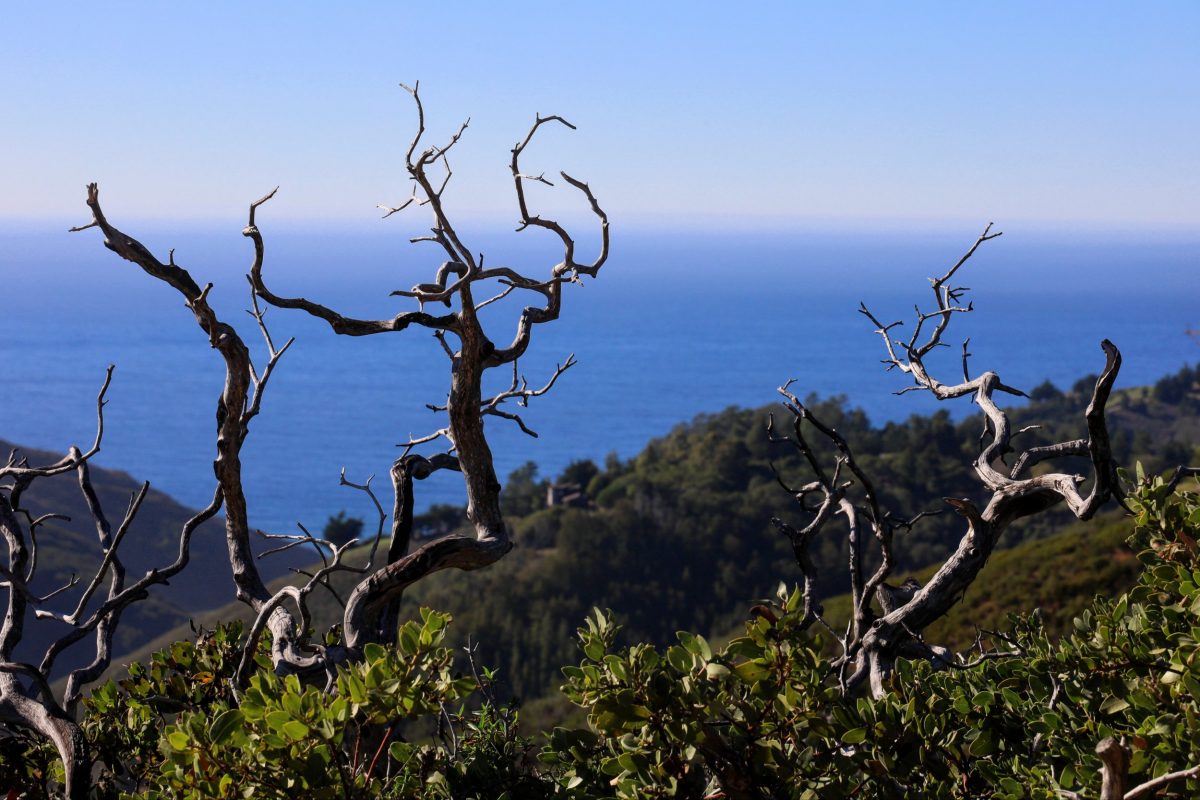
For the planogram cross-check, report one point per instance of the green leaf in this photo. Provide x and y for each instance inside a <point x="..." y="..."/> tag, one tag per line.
<point x="294" y="730"/>
<point x="1114" y="705"/>
<point x="695" y="645"/>
<point x="751" y="671"/>
<point x="1012" y="786"/>
<point x="225" y="724"/>
<point x="400" y="751"/>
<point x="291" y="704"/>
<point x="621" y="711"/>
<point x="854" y="736"/>
<point x="983" y="699"/>
<point x="984" y="744"/>
<point x="679" y="659"/>
<point x="593" y="648"/>
<point x="434" y="620"/>
<point x="409" y="639"/>
<point x="617" y="667"/>
<point x="277" y="719"/>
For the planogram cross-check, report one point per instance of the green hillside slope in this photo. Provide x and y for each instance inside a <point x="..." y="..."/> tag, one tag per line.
<point x="1059" y="575"/>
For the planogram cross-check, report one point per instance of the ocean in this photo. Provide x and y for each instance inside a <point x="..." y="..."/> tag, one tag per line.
<point x="678" y="323"/>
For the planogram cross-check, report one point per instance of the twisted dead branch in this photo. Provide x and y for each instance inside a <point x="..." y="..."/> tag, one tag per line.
<point x="371" y="608"/>
<point x="874" y="639"/>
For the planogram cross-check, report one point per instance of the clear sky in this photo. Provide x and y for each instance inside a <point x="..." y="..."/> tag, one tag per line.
<point x="734" y="115"/>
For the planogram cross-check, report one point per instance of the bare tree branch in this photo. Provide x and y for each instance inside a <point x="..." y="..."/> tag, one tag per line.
<point x="873" y="642"/>
<point x="22" y="473"/>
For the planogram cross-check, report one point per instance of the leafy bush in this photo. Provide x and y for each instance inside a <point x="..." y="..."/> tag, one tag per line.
<point x="764" y="716"/>
<point x="178" y="728"/>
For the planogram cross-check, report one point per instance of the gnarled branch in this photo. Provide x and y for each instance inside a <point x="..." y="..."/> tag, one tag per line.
<point x="873" y="642"/>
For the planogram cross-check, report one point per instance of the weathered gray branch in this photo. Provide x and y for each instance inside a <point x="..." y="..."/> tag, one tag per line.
<point x="371" y="598"/>
<point x="370" y="609"/>
<point x="39" y="711"/>
<point x="873" y="642"/>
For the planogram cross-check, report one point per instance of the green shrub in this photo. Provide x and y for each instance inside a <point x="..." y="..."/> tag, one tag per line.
<point x="764" y="716"/>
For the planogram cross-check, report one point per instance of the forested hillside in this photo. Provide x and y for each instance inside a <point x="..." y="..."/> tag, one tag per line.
<point x="680" y="537"/>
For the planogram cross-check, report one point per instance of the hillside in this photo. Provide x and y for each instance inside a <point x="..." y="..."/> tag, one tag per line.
<point x="679" y="537"/>
<point x="70" y="547"/>
<point x="1058" y="575"/>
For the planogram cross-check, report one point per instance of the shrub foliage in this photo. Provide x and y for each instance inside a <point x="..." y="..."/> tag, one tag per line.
<point x="762" y="716"/>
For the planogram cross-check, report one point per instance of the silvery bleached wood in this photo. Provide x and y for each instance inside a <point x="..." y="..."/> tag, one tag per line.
<point x="27" y="701"/>
<point x="873" y="641"/>
<point x="371" y="607"/>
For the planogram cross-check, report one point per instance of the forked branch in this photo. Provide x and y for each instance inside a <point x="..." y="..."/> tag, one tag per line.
<point x="874" y="641"/>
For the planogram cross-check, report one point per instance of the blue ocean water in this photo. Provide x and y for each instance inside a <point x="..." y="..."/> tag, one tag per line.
<point x="676" y="324"/>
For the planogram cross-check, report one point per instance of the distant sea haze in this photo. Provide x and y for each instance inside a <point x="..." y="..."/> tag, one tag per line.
<point x="675" y="325"/>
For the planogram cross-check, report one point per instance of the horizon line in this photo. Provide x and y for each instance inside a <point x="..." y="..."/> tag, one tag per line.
<point x="665" y="224"/>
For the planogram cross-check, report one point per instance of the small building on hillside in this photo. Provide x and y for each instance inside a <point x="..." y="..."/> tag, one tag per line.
<point x="571" y="495"/>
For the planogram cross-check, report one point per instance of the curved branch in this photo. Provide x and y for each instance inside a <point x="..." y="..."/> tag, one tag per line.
<point x="910" y="609"/>
<point x="49" y="721"/>
<point x="568" y="267"/>
<point x="23" y="473"/>
<point x="135" y="591"/>
<point x="234" y="408"/>
<point x="348" y="326"/>
<point x="1150" y="787"/>
<point x="370" y="599"/>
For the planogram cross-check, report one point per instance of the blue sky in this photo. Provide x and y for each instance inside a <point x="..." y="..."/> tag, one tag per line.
<point x="690" y="114"/>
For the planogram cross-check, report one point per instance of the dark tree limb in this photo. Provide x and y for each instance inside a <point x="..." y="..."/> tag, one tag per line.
<point x="235" y="408"/>
<point x="370" y="599"/>
<point x="37" y="710"/>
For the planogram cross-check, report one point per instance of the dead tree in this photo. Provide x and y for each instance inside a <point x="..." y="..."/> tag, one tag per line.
<point x="874" y="639"/>
<point x="27" y="703"/>
<point x="371" y="607"/>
